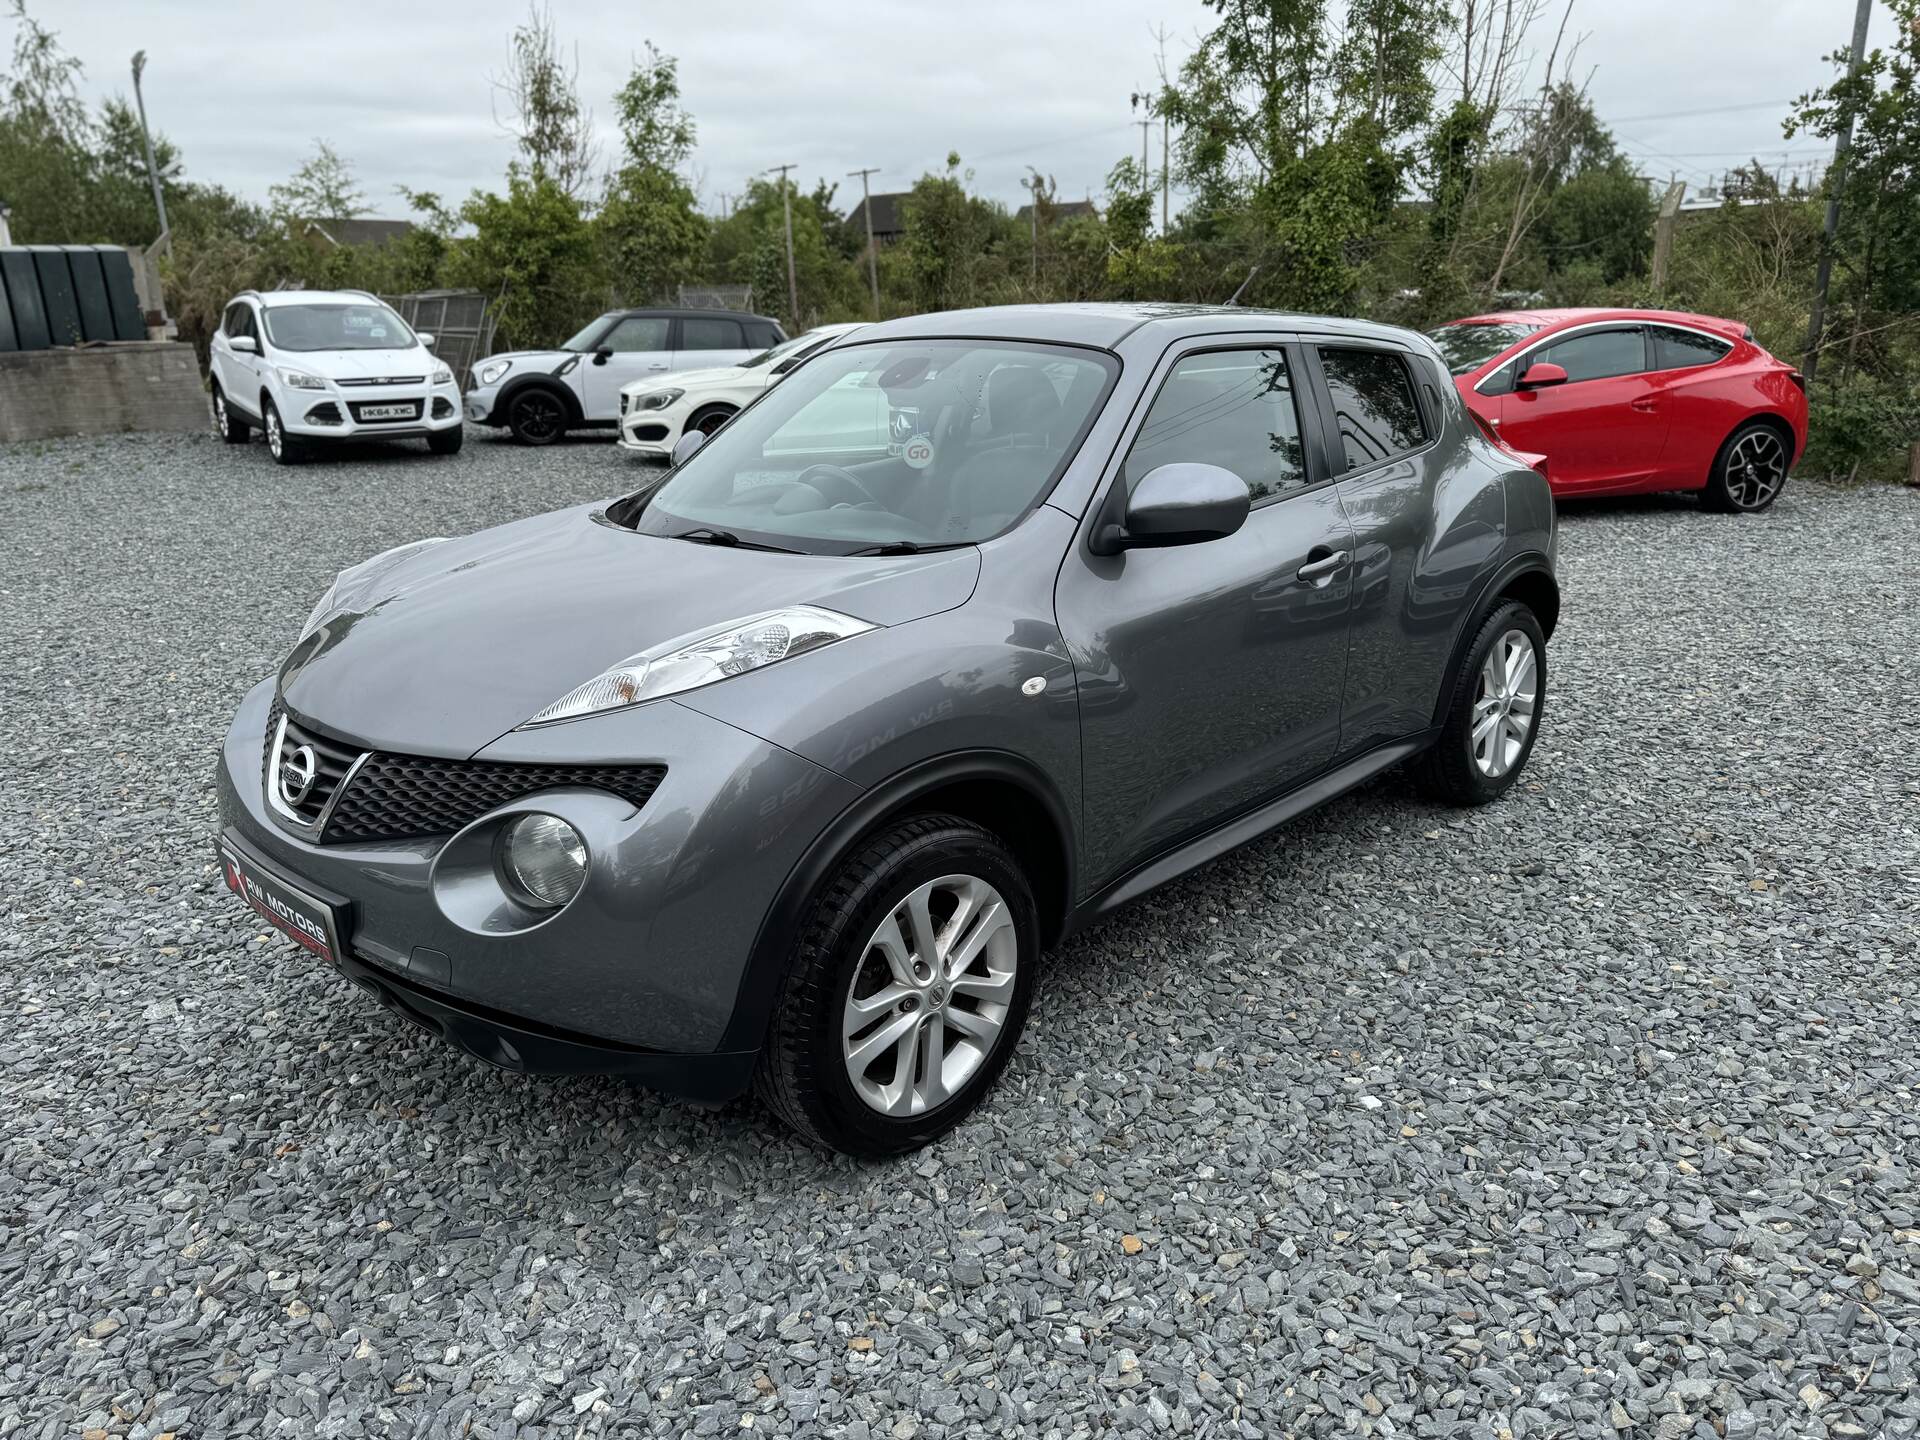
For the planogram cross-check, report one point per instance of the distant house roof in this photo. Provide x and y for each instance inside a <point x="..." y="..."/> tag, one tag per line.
<point x="1063" y="210"/>
<point x="354" y="231"/>
<point x="889" y="220"/>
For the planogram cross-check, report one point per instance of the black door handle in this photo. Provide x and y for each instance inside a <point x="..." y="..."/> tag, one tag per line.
<point x="1321" y="562"/>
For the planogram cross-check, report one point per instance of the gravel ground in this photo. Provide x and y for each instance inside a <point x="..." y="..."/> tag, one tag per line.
<point x="1592" y="1113"/>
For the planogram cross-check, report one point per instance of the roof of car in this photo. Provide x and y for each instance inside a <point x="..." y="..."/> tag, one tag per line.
<point x="1589" y="314"/>
<point x="706" y="312"/>
<point x="273" y="298"/>
<point x="1107" y="324"/>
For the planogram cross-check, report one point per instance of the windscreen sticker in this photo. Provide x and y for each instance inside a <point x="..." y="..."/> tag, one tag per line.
<point x="918" y="452"/>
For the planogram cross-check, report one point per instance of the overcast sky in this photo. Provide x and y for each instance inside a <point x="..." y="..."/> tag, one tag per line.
<point x="402" y="90"/>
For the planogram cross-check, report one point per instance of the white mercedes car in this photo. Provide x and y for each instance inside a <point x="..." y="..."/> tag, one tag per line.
<point x="656" y="412"/>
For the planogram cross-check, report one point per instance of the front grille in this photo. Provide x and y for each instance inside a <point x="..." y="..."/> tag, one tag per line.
<point x="359" y="412"/>
<point x="396" y="797"/>
<point x="410" y="797"/>
<point x="387" y="380"/>
<point x="332" y="761"/>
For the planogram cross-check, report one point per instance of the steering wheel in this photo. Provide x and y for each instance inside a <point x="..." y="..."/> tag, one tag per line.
<point x="837" y="479"/>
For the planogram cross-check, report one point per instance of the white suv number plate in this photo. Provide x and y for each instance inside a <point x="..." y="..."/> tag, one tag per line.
<point x="387" y="412"/>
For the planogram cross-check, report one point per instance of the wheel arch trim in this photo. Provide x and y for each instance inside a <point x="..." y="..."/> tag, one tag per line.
<point x="1532" y="565"/>
<point x="765" y="972"/>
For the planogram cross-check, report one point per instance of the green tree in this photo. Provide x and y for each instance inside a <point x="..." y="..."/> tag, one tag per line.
<point x="323" y="188"/>
<point x="651" y="234"/>
<point x="532" y="254"/>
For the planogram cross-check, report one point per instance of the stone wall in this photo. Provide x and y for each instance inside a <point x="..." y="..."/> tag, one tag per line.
<point x="100" y="390"/>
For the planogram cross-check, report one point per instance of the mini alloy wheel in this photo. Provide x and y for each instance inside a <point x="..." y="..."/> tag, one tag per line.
<point x="538" y="418"/>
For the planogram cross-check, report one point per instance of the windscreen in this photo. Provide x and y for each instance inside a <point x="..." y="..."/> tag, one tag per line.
<point x="907" y="445"/>
<point x="1467" y="347"/>
<point x="367" y="326"/>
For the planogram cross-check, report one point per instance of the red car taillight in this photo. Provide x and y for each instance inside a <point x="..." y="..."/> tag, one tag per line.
<point x="1525" y="457"/>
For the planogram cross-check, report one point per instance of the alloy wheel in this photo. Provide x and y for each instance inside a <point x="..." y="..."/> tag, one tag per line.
<point x="710" y="423"/>
<point x="1756" y="468"/>
<point x="930" y="995"/>
<point x="219" y="415"/>
<point x="1504" y="700"/>
<point x="537" y="418"/>
<point x="276" y="439"/>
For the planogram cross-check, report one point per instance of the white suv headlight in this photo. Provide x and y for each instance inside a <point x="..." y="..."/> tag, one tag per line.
<point x="300" y="380"/>
<point x="442" y="375"/>
<point x="353" y="581"/>
<point x="704" y="657"/>
<point x="492" y="370"/>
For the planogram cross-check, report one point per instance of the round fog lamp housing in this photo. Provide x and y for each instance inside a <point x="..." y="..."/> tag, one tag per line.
<point x="543" y="861"/>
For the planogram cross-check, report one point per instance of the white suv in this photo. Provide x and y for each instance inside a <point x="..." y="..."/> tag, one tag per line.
<point x="541" y="394"/>
<point x="313" y="365"/>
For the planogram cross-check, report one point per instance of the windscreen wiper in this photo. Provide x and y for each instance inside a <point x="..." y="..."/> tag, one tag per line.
<point x="707" y="535"/>
<point x="903" y="547"/>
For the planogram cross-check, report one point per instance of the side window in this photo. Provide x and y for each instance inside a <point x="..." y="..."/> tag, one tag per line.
<point x="637" y="332"/>
<point x="700" y="333"/>
<point x="1680" y="349"/>
<point x="1597" y="355"/>
<point x="762" y="335"/>
<point x="1373" y="403"/>
<point x="243" y="323"/>
<point x="1231" y="408"/>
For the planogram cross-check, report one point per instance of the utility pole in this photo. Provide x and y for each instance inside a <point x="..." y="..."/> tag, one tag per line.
<point x="153" y="170"/>
<point x="1842" y="143"/>
<point x="793" y="283"/>
<point x="1164" y="173"/>
<point x="1145" y="173"/>
<point x="1033" y="222"/>
<point x="1663" y="232"/>
<point x="866" y="209"/>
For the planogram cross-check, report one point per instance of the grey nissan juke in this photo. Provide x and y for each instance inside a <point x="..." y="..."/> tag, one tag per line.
<point x="785" y="770"/>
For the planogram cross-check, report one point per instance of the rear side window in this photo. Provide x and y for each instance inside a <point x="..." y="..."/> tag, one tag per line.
<point x="763" y="334"/>
<point x="1596" y="355"/>
<point x="1374" y="405"/>
<point x="704" y="334"/>
<point x="1679" y="349"/>
<point x="1231" y="408"/>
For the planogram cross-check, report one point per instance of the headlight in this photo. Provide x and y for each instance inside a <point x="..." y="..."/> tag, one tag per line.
<point x="300" y="380"/>
<point x="442" y="375"/>
<point x="353" y="581"/>
<point x="543" y="860"/>
<point x="704" y="657"/>
<point x="492" y="371"/>
<point x="656" y="399"/>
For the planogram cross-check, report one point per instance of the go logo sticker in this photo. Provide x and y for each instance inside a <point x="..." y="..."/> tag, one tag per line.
<point x="918" y="452"/>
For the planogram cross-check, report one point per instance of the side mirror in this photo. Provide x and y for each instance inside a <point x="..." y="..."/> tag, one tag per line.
<point x="684" y="447"/>
<point x="243" y="345"/>
<point x="424" y="338"/>
<point x="1181" y="504"/>
<point x="1541" y="374"/>
<point x="601" y="355"/>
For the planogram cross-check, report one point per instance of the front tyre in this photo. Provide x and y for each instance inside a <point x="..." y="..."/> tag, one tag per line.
<point x="907" y="991"/>
<point x="282" y="446"/>
<point x="537" y="416"/>
<point x="447" y="442"/>
<point x="1749" y="472"/>
<point x="1493" y="714"/>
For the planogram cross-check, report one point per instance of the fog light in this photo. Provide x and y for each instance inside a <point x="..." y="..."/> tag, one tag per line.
<point x="543" y="860"/>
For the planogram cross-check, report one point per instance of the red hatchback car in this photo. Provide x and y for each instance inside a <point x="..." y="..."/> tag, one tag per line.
<point x="1622" y="401"/>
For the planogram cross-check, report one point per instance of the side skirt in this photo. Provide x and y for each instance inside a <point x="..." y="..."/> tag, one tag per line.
<point x="1249" y="826"/>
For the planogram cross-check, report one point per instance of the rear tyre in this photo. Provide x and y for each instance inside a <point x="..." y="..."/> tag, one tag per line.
<point x="907" y="990"/>
<point x="447" y="442"/>
<point x="282" y="446"/>
<point x="231" y="429"/>
<point x="537" y="417"/>
<point x="1749" y="472"/>
<point x="1497" y="701"/>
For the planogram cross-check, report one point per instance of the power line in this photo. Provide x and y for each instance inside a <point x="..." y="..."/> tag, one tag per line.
<point x="1690" y="114"/>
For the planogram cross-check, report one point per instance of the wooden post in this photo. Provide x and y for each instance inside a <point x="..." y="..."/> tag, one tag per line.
<point x="1913" y="467"/>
